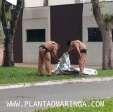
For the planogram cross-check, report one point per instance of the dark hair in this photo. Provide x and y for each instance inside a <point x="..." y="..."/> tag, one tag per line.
<point x="68" y="43"/>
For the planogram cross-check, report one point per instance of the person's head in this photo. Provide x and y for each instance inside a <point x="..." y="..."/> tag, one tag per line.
<point x="54" y="52"/>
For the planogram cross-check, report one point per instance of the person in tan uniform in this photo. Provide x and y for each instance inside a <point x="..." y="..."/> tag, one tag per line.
<point x="81" y="49"/>
<point x="46" y="51"/>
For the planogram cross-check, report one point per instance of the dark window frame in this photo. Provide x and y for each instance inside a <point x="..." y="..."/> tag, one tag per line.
<point x="94" y="34"/>
<point x="97" y="29"/>
<point x="36" y="35"/>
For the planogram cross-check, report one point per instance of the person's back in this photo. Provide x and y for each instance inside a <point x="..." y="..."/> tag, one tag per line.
<point x="81" y="49"/>
<point x="78" y="43"/>
<point x="46" y="50"/>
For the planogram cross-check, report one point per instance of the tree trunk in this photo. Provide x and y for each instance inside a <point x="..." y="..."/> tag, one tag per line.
<point x="9" y="18"/>
<point x="107" y="49"/>
<point x="8" y="59"/>
<point x="45" y="2"/>
<point x="106" y="31"/>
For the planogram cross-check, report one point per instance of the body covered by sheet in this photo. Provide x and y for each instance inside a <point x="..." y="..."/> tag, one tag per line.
<point x="64" y="66"/>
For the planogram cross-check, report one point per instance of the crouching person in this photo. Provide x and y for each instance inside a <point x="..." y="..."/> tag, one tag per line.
<point x="80" y="48"/>
<point x="47" y="51"/>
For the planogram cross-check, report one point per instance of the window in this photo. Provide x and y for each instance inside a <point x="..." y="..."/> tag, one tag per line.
<point x="36" y="35"/>
<point x="94" y="35"/>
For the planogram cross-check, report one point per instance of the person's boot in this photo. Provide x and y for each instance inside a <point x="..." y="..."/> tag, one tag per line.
<point x="81" y="74"/>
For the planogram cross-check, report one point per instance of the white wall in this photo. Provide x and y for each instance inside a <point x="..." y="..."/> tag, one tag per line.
<point x="94" y="48"/>
<point x="33" y="3"/>
<point x="36" y="3"/>
<point x="59" y="2"/>
<point x="34" y="18"/>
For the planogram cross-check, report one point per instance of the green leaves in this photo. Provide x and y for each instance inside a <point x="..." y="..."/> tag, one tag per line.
<point x="108" y="18"/>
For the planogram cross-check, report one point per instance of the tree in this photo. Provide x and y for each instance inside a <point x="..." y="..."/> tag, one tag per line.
<point x="9" y="18"/>
<point x="45" y="2"/>
<point x="105" y="23"/>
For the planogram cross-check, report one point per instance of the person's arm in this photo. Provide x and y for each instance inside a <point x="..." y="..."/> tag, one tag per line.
<point x="54" y="51"/>
<point x="78" y="49"/>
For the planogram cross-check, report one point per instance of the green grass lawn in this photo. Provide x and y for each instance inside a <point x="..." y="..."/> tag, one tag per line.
<point x="11" y="75"/>
<point x="105" y="73"/>
<point x="105" y="105"/>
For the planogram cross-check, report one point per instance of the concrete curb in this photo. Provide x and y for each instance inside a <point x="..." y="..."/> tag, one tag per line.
<point x="56" y="82"/>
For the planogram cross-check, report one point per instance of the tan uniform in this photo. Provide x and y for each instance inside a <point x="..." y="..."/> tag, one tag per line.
<point x="46" y="51"/>
<point x="81" y="49"/>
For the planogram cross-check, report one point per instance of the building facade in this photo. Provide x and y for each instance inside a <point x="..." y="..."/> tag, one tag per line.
<point x="61" y="22"/>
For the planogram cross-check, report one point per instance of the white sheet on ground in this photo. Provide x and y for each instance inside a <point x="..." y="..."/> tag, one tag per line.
<point x="64" y="65"/>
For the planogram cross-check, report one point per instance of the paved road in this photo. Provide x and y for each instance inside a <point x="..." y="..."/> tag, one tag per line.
<point x="25" y="97"/>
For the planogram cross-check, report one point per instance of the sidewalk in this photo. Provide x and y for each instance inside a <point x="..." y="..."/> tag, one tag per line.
<point x="56" y="82"/>
<point x="25" y="65"/>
